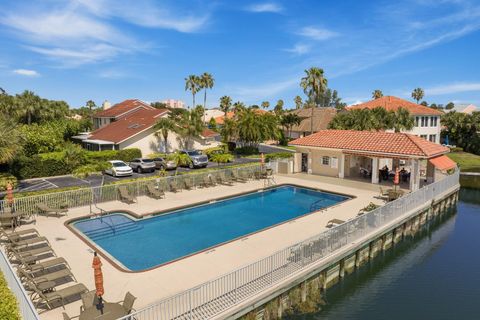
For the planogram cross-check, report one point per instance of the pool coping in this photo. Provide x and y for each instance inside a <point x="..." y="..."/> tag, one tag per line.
<point x="119" y="266"/>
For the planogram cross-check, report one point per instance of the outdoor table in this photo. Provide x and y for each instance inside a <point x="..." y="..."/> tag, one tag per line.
<point x="111" y="311"/>
<point x="12" y="217"/>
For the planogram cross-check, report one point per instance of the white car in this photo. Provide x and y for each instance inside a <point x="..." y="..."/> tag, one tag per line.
<point x="119" y="169"/>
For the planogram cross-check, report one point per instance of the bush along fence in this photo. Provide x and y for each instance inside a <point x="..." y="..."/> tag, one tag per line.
<point x="86" y="196"/>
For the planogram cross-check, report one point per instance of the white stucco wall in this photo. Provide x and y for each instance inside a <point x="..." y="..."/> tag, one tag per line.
<point x="427" y="130"/>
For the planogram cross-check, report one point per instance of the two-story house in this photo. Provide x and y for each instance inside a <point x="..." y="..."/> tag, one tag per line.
<point x="427" y="120"/>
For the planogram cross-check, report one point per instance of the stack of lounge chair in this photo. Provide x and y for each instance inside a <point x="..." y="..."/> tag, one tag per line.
<point x="46" y="210"/>
<point x="154" y="192"/>
<point x="44" y="275"/>
<point x="125" y="196"/>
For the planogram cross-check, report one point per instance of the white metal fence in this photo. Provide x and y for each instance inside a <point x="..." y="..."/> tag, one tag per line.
<point x="87" y="196"/>
<point x="25" y="306"/>
<point x="218" y="295"/>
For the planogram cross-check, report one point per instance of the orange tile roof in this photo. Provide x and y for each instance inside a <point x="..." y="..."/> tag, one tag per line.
<point x="391" y="103"/>
<point x="123" y="107"/>
<point x="207" y="133"/>
<point x="387" y="143"/>
<point x="128" y="126"/>
<point x="443" y="163"/>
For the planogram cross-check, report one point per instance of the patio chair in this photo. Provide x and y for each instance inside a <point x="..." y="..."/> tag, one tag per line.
<point x="28" y="277"/>
<point x="58" y="295"/>
<point x="213" y="180"/>
<point x="224" y="180"/>
<point x="383" y="192"/>
<point x="45" y="209"/>
<point x="188" y="183"/>
<point x="27" y="242"/>
<point x="30" y="254"/>
<point x="246" y="175"/>
<point x="237" y="177"/>
<point x="206" y="182"/>
<point x="128" y="302"/>
<point x="155" y="193"/>
<point x="17" y="235"/>
<point x="173" y="186"/>
<point x="88" y="300"/>
<point x="125" y="196"/>
<point x="67" y="317"/>
<point x="36" y="266"/>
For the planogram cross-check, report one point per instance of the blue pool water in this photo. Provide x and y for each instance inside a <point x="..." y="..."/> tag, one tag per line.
<point x="146" y="243"/>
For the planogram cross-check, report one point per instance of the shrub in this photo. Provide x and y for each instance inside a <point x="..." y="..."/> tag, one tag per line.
<point x="8" y="305"/>
<point x="129" y="154"/>
<point x="246" y="150"/>
<point x="88" y="169"/>
<point x="157" y="155"/>
<point x="456" y="149"/>
<point x="278" y="155"/>
<point x="5" y="178"/>
<point x="105" y="155"/>
<point x="33" y="167"/>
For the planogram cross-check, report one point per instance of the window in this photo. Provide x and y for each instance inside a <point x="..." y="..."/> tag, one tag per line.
<point x="417" y="119"/>
<point x="423" y="122"/>
<point x="433" y="121"/>
<point x="424" y="136"/>
<point x="433" y="138"/>
<point x="326" y="161"/>
<point x="334" y="162"/>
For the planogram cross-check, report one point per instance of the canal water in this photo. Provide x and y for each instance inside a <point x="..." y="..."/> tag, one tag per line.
<point x="434" y="276"/>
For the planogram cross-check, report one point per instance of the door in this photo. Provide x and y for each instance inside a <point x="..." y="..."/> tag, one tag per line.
<point x="304" y="162"/>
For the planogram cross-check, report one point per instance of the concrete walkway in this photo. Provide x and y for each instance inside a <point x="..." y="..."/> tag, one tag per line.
<point x="155" y="284"/>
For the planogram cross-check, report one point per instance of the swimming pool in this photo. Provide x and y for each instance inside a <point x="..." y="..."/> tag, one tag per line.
<point x="145" y="243"/>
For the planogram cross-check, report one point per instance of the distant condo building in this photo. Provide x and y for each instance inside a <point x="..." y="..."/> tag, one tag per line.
<point x="172" y="103"/>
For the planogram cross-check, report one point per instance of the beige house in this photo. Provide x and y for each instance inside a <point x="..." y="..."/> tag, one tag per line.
<point x="131" y="125"/>
<point x="357" y="155"/>
<point x="321" y="119"/>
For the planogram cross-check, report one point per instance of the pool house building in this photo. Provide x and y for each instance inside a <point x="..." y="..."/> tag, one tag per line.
<point x="362" y="154"/>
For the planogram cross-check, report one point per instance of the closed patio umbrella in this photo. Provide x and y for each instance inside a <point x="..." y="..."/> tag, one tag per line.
<point x="396" y="179"/>
<point x="9" y="193"/>
<point x="98" y="276"/>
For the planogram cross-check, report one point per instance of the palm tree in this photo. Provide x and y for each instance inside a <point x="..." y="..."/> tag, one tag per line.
<point x="278" y="107"/>
<point x="225" y="104"/>
<point x="163" y="128"/>
<point x="402" y="120"/>
<point x="29" y="103"/>
<point x="289" y="120"/>
<point x="314" y="85"/>
<point x="377" y="94"/>
<point x="238" y="107"/>
<point x="298" y="102"/>
<point x="91" y="105"/>
<point x="417" y="94"/>
<point x="193" y="84"/>
<point x="207" y="82"/>
<point x="190" y="126"/>
<point x="180" y="159"/>
<point x="265" y="104"/>
<point x="381" y="119"/>
<point x="10" y="140"/>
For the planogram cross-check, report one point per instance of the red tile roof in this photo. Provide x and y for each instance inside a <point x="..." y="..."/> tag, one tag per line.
<point x="443" y="163"/>
<point x="207" y="133"/>
<point x="393" y="103"/>
<point x="128" y="126"/>
<point x="372" y="142"/>
<point x="124" y="107"/>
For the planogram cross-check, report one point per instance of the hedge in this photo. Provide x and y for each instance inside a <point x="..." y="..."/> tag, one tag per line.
<point x="247" y="150"/>
<point x="124" y="155"/>
<point x="5" y="178"/>
<point x="278" y="155"/>
<point x="8" y="302"/>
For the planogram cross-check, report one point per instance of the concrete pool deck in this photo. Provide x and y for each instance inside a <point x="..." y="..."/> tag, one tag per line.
<point x="153" y="285"/>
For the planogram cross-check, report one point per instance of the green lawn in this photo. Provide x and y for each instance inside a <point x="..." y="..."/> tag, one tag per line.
<point x="467" y="162"/>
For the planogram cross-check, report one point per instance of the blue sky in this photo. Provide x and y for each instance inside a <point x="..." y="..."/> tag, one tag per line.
<point x="76" y="50"/>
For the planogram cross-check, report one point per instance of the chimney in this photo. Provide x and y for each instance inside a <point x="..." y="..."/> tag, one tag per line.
<point x="106" y="105"/>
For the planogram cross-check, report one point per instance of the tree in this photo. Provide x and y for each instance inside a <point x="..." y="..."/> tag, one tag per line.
<point x="228" y="130"/>
<point x="402" y="120"/>
<point x="10" y="140"/>
<point x="238" y="107"/>
<point x="377" y="94"/>
<point x="2" y="91"/>
<point x="298" y="102"/>
<point x="207" y="82"/>
<point x="91" y="106"/>
<point x="180" y="159"/>
<point x="314" y="84"/>
<point x="279" y="107"/>
<point x="193" y="84"/>
<point x="265" y="104"/>
<point x="189" y="126"/>
<point x="221" y="158"/>
<point x="29" y="103"/>
<point x="159" y="105"/>
<point x="212" y="124"/>
<point x="225" y="104"/>
<point x="417" y="94"/>
<point x="253" y="128"/>
<point x="424" y="103"/>
<point x="450" y="106"/>
<point x="330" y="98"/>
<point x="163" y="128"/>
<point x="289" y="120"/>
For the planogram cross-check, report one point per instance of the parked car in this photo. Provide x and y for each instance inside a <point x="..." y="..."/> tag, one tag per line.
<point x="119" y="168"/>
<point x="198" y="159"/>
<point x="164" y="164"/>
<point x="142" y="165"/>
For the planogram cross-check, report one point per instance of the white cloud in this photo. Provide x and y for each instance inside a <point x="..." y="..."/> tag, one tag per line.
<point x="315" y="33"/>
<point x="265" y="7"/>
<point x="453" y="88"/>
<point x="299" y="49"/>
<point x="26" y="72"/>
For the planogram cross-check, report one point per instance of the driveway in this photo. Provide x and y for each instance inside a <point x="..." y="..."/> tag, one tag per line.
<point x="38" y="184"/>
